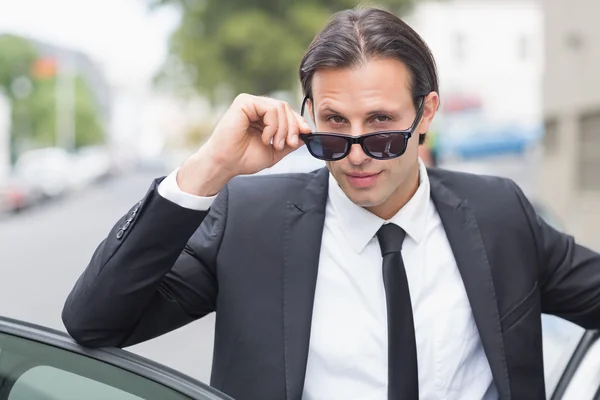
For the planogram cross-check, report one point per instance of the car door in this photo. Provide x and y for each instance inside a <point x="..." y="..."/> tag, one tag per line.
<point x="581" y="377"/>
<point x="571" y="354"/>
<point x="38" y="363"/>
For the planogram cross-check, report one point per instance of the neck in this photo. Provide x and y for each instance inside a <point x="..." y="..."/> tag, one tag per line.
<point x="399" y="198"/>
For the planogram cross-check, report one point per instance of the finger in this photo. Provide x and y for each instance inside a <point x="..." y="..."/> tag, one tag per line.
<point x="282" y="128"/>
<point x="303" y="125"/>
<point x="266" y="111"/>
<point x="293" y="127"/>
<point x="260" y="115"/>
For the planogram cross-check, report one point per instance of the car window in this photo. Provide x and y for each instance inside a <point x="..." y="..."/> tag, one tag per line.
<point x="49" y="383"/>
<point x="30" y="370"/>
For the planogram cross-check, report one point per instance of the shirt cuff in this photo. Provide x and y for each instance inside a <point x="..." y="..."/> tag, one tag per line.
<point x="169" y="189"/>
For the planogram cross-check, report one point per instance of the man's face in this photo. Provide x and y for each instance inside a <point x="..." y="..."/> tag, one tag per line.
<point x="371" y="97"/>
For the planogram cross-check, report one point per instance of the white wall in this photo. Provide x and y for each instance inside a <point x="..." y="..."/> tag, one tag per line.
<point x="571" y="89"/>
<point x="572" y="79"/>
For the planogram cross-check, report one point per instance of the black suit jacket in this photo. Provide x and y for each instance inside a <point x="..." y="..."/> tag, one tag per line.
<point x="253" y="259"/>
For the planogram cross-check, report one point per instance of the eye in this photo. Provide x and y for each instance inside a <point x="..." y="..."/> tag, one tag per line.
<point x="336" y="119"/>
<point x="381" y="118"/>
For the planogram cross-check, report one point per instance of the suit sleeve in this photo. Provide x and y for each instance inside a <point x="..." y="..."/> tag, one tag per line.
<point x="144" y="279"/>
<point x="568" y="273"/>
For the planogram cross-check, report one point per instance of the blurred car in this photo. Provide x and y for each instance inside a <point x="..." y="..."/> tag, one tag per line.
<point x="38" y="363"/>
<point x="16" y="195"/>
<point x="92" y="164"/>
<point x="51" y="171"/>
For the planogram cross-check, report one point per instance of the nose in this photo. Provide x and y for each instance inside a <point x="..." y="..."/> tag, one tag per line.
<point x="357" y="156"/>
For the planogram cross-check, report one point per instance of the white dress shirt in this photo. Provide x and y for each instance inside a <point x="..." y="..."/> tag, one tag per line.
<point x="347" y="358"/>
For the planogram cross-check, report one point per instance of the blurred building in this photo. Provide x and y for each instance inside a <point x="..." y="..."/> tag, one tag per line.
<point x="489" y="55"/>
<point x="570" y="173"/>
<point x="490" y="59"/>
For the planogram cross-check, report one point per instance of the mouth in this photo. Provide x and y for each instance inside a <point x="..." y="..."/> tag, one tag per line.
<point x="362" y="179"/>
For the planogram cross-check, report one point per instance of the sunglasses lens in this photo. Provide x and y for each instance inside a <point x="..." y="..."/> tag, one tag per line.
<point x="327" y="147"/>
<point x="385" y="145"/>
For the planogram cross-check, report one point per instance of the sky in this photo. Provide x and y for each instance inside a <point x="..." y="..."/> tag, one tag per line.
<point x="124" y="37"/>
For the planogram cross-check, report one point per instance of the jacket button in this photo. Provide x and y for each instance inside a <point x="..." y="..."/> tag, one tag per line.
<point x="120" y="233"/>
<point x="127" y="224"/>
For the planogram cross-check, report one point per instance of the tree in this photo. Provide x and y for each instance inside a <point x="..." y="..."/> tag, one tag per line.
<point x="29" y="81"/>
<point x="250" y="46"/>
<point x="17" y="57"/>
<point x="34" y="117"/>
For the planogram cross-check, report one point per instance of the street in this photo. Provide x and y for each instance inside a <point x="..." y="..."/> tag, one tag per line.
<point x="44" y="250"/>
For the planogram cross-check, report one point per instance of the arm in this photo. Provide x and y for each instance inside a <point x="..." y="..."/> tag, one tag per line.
<point x="569" y="274"/>
<point x="144" y="280"/>
<point x="148" y="282"/>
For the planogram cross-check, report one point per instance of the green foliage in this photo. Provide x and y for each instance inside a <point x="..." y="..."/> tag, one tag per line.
<point x="88" y="125"/>
<point x="250" y="46"/>
<point x="16" y="59"/>
<point x="34" y="105"/>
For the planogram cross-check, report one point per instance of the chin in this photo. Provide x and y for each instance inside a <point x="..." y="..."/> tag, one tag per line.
<point x="364" y="201"/>
<point x="363" y="197"/>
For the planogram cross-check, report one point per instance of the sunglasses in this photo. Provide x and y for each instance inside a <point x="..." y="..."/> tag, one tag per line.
<point x="382" y="145"/>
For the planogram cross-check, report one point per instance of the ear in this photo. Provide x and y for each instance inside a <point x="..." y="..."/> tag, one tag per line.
<point x="432" y="102"/>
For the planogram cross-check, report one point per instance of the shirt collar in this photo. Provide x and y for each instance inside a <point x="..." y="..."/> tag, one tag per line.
<point x="360" y="225"/>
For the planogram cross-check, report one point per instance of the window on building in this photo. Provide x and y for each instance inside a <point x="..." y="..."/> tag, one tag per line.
<point x="589" y="152"/>
<point x="523" y="47"/>
<point x="460" y="48"/>
<point x="551" y="135"/>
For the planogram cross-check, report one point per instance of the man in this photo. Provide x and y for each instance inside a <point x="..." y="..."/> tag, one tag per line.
<point x="372" y="278"/>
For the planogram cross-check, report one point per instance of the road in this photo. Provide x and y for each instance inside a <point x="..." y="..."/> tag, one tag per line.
<point x="43" y="252"/>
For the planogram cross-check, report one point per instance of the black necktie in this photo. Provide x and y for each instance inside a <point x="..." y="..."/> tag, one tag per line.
<point x="403" y="378"/>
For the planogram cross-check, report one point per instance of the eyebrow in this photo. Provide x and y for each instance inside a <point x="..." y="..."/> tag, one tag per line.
<point x="370" y="113"/>
<point x="330" y="110"/>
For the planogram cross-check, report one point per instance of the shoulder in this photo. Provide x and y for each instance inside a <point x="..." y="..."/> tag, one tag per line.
<point x="469" y="185"/>
<point x="268" y="193"/>
<point x="494" y="198"/>
<point x="270" y="185"/>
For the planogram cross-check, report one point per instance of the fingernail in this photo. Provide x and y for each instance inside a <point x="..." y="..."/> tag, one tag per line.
<point x="281" y="144"/>
<point x="294" y="140"/>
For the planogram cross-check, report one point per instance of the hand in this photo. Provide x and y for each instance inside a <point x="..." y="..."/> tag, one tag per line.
<point x="255" y="133"/>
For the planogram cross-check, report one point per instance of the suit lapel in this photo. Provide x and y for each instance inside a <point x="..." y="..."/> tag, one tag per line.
<point x="465" y="239"/>
<point x="303" y="231"/>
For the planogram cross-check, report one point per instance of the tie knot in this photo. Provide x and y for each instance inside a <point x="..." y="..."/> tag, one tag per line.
<point x="390" y="237"/>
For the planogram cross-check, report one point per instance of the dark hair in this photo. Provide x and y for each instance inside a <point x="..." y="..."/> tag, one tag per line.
<point x="355" y="36"/>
